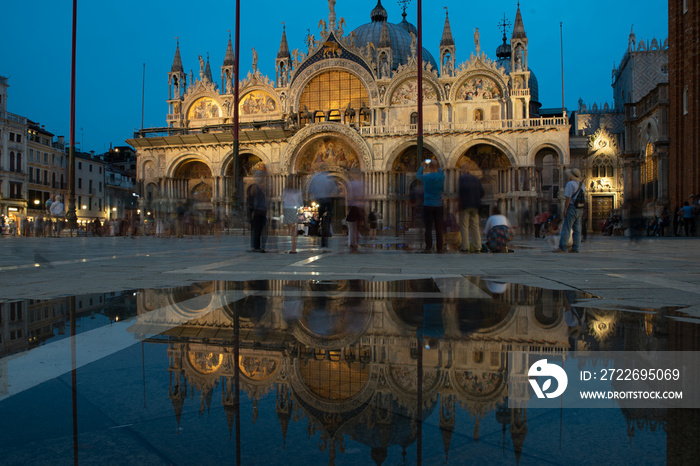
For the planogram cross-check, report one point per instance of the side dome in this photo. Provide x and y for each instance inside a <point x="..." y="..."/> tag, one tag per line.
<point x="398" y="35"/>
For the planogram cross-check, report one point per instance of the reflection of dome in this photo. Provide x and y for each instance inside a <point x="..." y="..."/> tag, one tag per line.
<point x="398" y="34"/>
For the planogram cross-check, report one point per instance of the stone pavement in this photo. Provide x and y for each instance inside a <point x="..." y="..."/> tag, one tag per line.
<point x="649" y="273"/>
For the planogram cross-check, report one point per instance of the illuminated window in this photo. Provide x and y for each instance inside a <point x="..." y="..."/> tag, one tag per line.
<point x="334" y="90"/>
<point x="478" y="115"/>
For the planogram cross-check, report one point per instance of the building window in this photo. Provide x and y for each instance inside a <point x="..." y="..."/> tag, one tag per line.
<point x="478" y="115"/>
<point x="100" y="186"/>
<point x="12" y="161"/>
<point x="90" y="186"/>
<point x="80" y="183"/>
<point x="90" y="167"/>
<point x="334" y="90"/>
<point x="31" y="173"/>
<point x="15" y="190"/>
<point x="12" y="137"/>
<point x="18" y="162"/>
<point x="414" y="118"/>
<point x="31" y="155"/>
<point x="80" y="165"/>
<point x="19" y="138"/>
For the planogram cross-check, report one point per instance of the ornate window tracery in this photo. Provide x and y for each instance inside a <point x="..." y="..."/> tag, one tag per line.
<point x="334" y="90"/>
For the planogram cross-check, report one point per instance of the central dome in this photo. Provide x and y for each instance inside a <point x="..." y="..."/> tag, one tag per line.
<point x="398" y="35"/>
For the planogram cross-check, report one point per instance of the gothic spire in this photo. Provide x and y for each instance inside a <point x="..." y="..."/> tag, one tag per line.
<point x="519" y="28"/>
<point x="228" y="59"/>
<point x="177" y="61"/>
<point x="207" y="71"/>
<point x="447" y="39"/>
<point x="284" y="48"/>
<point x="384" y="40"/>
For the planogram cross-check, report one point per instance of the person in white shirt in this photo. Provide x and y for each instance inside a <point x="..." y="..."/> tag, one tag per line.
<point x="573" y="214"/>
<point x="497" y="231"/>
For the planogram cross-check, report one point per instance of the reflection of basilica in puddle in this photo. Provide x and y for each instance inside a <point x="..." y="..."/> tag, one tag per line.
<point x="369" y="361"/>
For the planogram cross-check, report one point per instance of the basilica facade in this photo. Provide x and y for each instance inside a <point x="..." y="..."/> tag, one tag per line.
<point x="347" y="104"/>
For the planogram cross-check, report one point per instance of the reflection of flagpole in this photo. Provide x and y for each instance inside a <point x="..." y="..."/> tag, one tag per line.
<point x="73" y="376"/>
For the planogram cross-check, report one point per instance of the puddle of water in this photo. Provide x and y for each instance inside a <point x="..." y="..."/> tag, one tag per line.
<point x="319" y="372"/>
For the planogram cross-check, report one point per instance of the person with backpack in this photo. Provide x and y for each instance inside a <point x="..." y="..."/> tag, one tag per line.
<point x="575" y="195"/>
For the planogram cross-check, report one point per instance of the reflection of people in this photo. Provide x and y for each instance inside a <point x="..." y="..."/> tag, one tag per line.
<point x="573" y="214"/>
<point x="292" y="202"/>
<point x="470" y="193"/>
<point x="497" y="231"/>
<point x="433" y="179"/>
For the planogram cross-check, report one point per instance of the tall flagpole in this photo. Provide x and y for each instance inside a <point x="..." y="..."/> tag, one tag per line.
<point x="71" y="216"/>
<point x="236" y="62"/>
<point x="561" y="41"/>
<point x="419" y="89"/>
<point x="143" y="93"/>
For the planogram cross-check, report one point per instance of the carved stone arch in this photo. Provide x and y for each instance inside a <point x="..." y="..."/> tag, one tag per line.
<point x="478" y="66"/>
<point x="463" y="148"/>
<point x="187" y="156"/>
<point x="337" y="64"/>
<point x="562" y="153"/>
<point x="329" y="128"/>
<point x="145" y="163"/>
<point x="200" y="91"/>
<point x="401" y="148"/>
<point x="228" y="158"/>
<point x="408" y="75"/>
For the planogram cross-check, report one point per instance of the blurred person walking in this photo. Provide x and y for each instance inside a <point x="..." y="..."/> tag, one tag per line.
<point x="575" y="195"/>
<point x="323" y="189"/>
<point x="470" y="193"/>
<point x="292" y="202"/>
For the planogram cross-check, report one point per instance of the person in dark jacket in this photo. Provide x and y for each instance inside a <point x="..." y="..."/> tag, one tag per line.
<point x="433" y="179"/>
<point x="470" y="193"/>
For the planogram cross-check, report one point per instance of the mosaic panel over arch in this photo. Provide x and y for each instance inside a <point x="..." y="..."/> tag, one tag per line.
<point x="257" y="103"/>
<point x="407" y="93"/>
<point x="204" y="108"/>
<point x="327" y="152"/>
<point x="479" y="88"/>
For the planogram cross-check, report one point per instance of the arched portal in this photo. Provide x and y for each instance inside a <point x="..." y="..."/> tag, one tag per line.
<point x="407" y="189"/>
<point x="195" y="183"/>
<point x="547" y="180"/>
<point x="491" y="165"/>
<point x="247" y="165"/>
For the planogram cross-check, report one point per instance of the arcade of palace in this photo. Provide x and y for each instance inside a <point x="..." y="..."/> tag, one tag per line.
<point x="348" y="104"/>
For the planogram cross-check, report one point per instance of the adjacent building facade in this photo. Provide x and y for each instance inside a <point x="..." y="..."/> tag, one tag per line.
<point x="684" y="119"/>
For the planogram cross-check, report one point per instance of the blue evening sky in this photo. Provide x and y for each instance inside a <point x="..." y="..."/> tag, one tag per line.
<point x="115" y="39"/>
